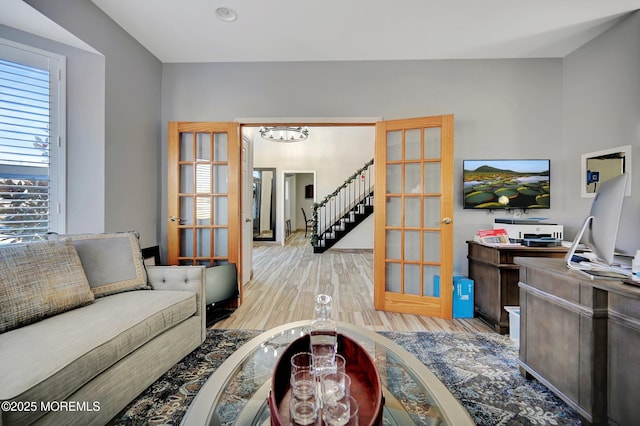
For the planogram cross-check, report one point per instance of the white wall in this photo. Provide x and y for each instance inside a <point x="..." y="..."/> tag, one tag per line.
<point x="360" y="237"/>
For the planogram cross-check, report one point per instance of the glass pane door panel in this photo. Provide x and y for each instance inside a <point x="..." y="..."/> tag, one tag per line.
<point x="412" y="212"/>
<point x="203" y="146"/>
<point x="431" y="241"/>
<point x="412" y="279"/>
<point x="432" y="143"/>
<point x="394" y="244"/>
<point x="394" y="145"/>
<point x="429" y="273"/>
<point x="220" y="144"/>
<point x="394" y="179"/>
<point x="220" y="209"/>
<point x="186" y="179"/>
<point x="186" y="147"/>
<point x="203" y="210"/>
<point x="220" y="180"/>
<point x="203" y="178"/>
<point x="412" y="178"/>
<point x="186" y="242"/>
<point x="432" y="212"/>
<point x="412" y="145"/>
<point x="204" y="242"/>
<point x="412" y="245"/>
<point x="394" y="211"/>
<point x="393" y="277"/>
<point x="186" y="210"/>
<point x="432" y="178"/>
<point x="221" y="242"/>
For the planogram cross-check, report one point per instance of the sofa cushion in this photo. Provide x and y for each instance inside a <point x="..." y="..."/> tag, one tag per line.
<point x="51" y="359"/>
<point x="38" y="280"/>
<point x="112" y="262"/>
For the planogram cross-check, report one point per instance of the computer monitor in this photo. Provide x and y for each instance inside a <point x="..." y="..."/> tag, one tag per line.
<point x="604" y="219"/>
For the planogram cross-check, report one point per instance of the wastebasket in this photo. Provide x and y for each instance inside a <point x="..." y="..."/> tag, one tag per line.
<point x="462" y="295"/>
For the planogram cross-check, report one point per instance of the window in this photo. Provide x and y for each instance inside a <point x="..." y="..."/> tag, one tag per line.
<point x="32" y="158"/>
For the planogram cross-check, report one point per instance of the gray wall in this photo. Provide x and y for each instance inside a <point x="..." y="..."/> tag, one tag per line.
<point x="130" y="99"/>
<point x="601" y="90"/>
<point x="549" y="108"/>
<point x="503" y="108"/>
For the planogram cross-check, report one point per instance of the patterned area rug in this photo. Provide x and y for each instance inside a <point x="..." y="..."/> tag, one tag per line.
<point x="479" y="369"/>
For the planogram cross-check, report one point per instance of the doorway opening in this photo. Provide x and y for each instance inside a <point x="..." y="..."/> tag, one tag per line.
<point x="298" y="199"/>
<point x="331" y="153"/>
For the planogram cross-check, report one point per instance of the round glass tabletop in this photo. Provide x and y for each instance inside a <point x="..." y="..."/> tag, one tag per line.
<point x="237" y="392"/>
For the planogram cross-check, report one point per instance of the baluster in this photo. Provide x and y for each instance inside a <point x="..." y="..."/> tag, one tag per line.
<point x="332" y="213"/>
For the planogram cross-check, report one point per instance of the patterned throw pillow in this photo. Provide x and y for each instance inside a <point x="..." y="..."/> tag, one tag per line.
<point x="38" y="280"/>
<point x="112" y="262"/>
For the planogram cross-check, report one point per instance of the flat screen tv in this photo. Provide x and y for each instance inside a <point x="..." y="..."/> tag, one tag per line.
<point x="506" y="184"/>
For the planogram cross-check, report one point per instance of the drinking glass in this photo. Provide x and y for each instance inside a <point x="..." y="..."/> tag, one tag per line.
<point x="323" y="364"/>
<point x="301" y="361"/>
<point x="340" y="364"/>
<point x="329" y="364"/>
<point x="304" y="412"/>
<point x="336" y="411"/>
<point x="303" y="385"/>
<point x="353" y="412"/>
<point x="335" y="389"/>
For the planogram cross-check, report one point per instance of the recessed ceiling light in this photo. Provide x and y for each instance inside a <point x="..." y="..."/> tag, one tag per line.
<point x="226" y="14"/>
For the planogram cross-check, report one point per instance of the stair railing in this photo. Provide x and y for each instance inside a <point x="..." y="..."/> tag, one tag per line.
<point x="327" y="213"/>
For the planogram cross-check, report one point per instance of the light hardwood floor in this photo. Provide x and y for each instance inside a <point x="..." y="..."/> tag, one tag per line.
<point x="286" y="279"/>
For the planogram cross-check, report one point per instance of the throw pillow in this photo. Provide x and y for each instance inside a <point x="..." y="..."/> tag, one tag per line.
<point x="38" y="280"/>
<point x="112" y="262"/>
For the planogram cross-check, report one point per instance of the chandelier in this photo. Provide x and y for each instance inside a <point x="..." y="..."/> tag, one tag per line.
<point x="284" y="133"/>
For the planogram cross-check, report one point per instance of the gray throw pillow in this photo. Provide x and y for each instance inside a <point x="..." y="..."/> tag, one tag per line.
<point x="38" y="280"/>
<point x="112" y="262"/>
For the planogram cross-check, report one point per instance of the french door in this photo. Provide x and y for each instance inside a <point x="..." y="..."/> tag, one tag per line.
<point x="204" y="194"/>
<point x="413" y="216"/>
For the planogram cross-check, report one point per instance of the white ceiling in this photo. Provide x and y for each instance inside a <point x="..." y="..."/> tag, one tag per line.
<point x="334" y="30"/>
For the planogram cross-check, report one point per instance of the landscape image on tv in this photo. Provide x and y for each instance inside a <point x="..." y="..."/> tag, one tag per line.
<point x="506" y="184"/>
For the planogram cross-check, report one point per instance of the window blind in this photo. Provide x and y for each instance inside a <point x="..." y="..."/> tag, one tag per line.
<point x="25" y="117"/>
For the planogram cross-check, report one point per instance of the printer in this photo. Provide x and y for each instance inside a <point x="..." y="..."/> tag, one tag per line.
<point x="531" y="229"/>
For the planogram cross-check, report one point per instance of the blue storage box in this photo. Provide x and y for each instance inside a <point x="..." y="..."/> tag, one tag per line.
<point x="462" y="295"/>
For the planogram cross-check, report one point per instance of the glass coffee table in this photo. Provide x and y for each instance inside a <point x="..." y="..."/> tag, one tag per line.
<point x="237" y="392"/>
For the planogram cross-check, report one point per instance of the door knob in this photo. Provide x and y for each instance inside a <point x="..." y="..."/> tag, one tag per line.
<point x="446" y="220"/>
<point x="180" y="220"/>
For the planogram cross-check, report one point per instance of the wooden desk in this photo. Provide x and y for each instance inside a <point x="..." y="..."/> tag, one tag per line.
<point x="581" y="339"/>
<point x="495" y="278"/>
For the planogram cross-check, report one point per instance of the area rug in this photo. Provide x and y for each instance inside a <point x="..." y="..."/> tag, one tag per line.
<point x="479" y="369"/>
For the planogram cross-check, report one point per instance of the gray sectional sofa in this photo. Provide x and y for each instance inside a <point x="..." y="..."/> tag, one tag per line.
<point x="85" y="327"/>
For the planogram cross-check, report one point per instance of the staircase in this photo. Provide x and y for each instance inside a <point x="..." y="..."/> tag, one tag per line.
<point x="343" y="210"/>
